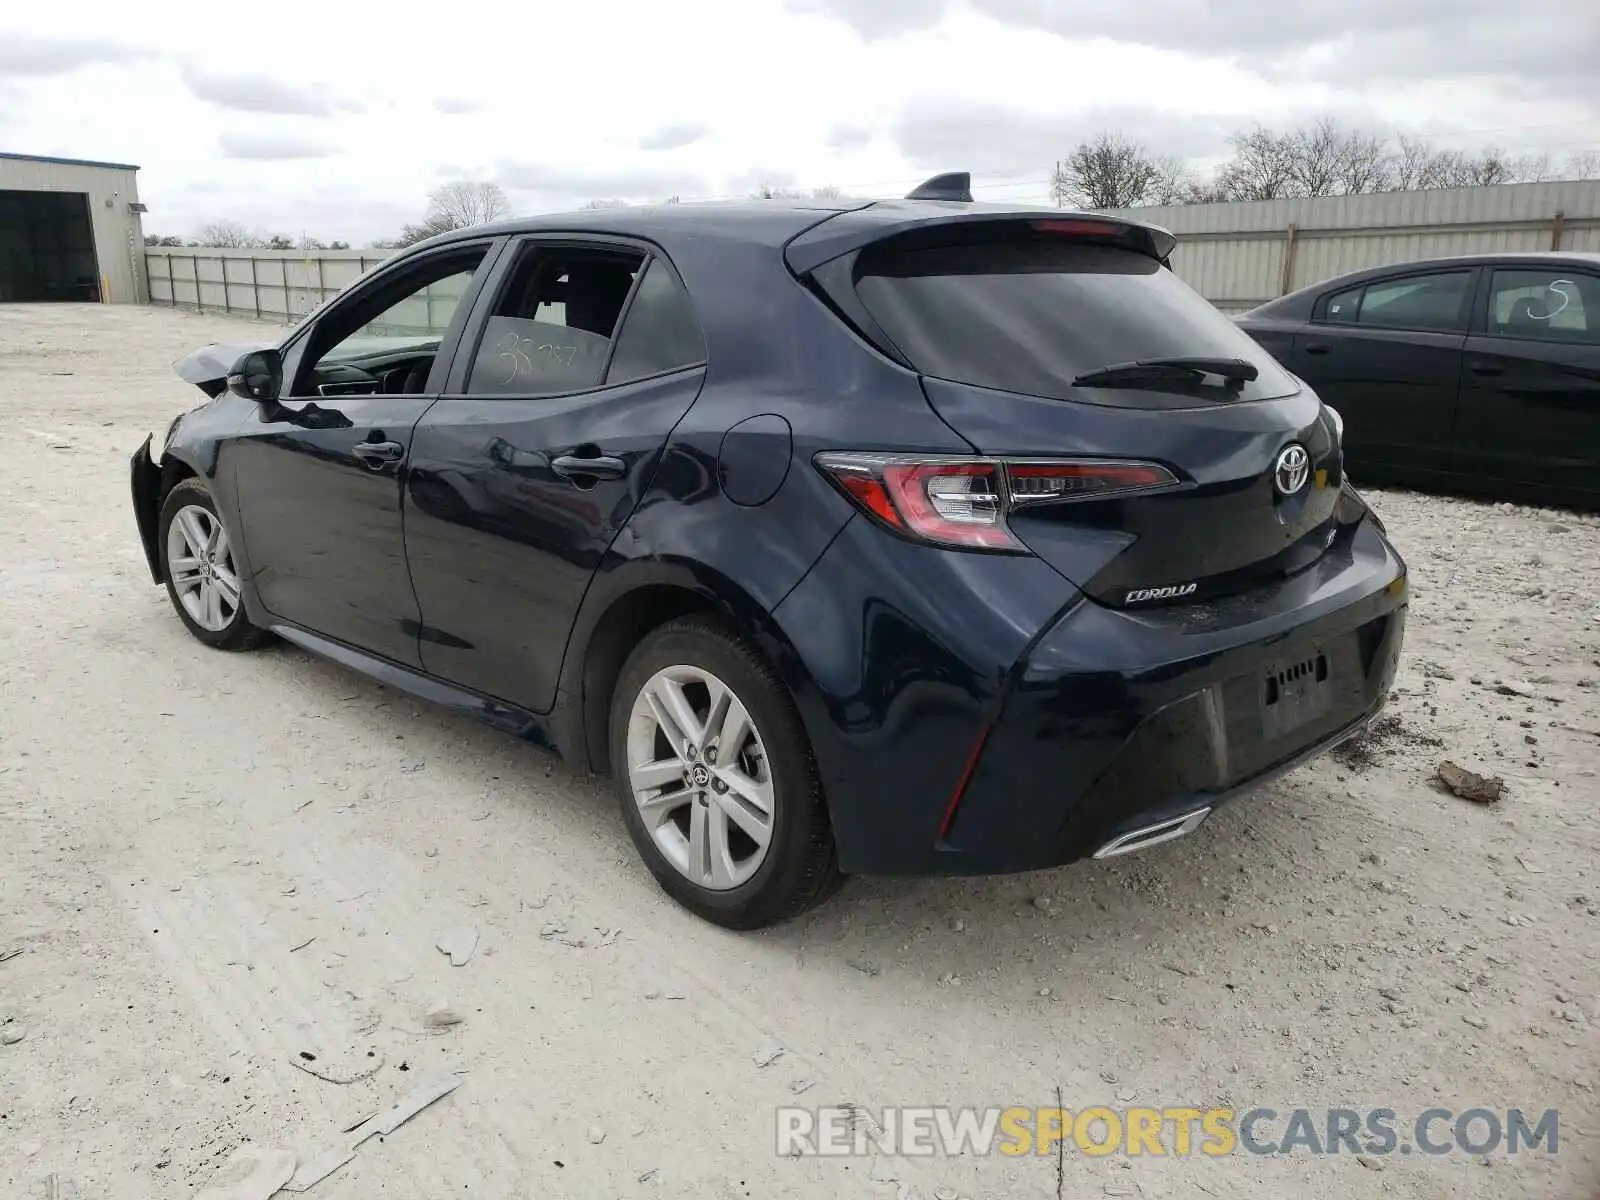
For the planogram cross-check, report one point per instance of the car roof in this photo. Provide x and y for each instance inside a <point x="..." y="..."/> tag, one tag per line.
<point x="771" y="223"/>
<point x="765" y="222"/>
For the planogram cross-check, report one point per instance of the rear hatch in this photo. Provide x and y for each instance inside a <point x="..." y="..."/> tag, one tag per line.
<point x="1044" y="338"/>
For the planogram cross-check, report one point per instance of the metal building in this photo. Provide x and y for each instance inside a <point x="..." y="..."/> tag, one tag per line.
<point x="70" y="230"/>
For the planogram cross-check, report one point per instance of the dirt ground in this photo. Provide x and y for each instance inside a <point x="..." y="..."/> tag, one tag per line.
<point x="215" y="866"/>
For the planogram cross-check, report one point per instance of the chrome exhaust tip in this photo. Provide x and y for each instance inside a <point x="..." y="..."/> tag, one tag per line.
<point x="1169" y="830"/>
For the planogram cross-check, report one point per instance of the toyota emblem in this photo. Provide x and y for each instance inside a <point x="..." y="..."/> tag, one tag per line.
<point x="1292" y="470"/>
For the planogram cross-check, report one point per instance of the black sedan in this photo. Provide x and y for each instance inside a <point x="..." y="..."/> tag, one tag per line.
<point x="1476" y="374"/>
<point x="917" y="537"/>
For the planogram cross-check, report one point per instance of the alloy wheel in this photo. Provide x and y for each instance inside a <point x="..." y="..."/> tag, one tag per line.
<point x="200" y="561"/>
<point x="699" y="773"/>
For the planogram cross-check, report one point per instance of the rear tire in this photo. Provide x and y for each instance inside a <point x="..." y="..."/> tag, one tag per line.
<point x="198" y="562"/>
<point x="718" y="786"/>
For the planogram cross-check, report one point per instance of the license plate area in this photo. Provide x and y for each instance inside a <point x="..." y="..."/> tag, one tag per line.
<point x="1295" y="693"/>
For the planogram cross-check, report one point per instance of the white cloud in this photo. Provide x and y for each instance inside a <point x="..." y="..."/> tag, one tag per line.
<point x="272" y="147"/>
<point x="563" y="104"/>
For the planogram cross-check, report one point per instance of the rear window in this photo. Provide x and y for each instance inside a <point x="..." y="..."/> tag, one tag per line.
<point x="1032" y="316"/>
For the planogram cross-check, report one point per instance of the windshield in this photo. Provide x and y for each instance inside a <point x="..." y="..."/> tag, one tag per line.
<point x="1032" y="316"/>
<point x="367" y="346"/>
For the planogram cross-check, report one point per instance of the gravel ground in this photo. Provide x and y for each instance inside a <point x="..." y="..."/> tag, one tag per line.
<point x="215" y="866"/>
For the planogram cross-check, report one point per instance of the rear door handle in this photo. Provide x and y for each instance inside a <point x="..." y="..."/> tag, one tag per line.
<point x="1317" y="348"/>
<point x="375" y="454"/>
<point x="1486" y="368"/>
<point x="602" y="466"/>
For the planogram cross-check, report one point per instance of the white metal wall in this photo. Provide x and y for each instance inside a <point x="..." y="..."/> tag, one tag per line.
<point x="1235" y="255"/>
<point x="1242" y="254"/>
<point x="118" y="231"/>
<point x="277" y="285"/>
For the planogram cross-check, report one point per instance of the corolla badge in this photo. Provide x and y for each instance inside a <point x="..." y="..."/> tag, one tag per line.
<point x="1292" y="469"/>
<point x="1173" y="592"/>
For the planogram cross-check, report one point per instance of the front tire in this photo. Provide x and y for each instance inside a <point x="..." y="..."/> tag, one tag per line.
<point x="202" y="579"/>
<point x="717" y="783"/>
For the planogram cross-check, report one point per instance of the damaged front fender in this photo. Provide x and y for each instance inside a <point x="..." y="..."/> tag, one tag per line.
<point x="145" y="478"/>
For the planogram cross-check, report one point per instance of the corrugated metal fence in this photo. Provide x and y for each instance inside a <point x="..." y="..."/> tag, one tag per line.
<point x="276" y="285"/>
<point x="1235" y="255"/>
<point x="1240" y="255"/>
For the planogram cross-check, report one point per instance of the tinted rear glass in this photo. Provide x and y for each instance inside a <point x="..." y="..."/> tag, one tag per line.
<point x="1031" y="316"/>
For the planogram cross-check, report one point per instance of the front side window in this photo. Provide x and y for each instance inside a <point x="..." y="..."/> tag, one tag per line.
<point x="385" y="337"/>
<point x="1417" y="302"/>
<point x="1546" y="305"/>
<point x="551" y="328"/>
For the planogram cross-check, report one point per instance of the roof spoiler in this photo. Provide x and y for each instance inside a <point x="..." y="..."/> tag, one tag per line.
<point x="953" y="185"/>
<point x="850" y="231"/>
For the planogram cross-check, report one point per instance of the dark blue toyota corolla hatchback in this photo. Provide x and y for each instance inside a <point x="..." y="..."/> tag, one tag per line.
<point x="919" y="536"/>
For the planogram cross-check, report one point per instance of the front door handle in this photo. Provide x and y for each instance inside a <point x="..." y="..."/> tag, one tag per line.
<point x="602" y="466"/>
<point x="1317" y="348"/>
<point x="375" y="454"/>
<point x="1486" y="368"/>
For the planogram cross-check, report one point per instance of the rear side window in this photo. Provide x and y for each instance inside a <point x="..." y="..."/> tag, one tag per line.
<point x="1031" y="316"/>
<point x="659" y="333"/>
<point x="1418" y="302"/>
<point x="1344" y="307"/>
<point x="1551" y="306"/>
<point x="552" y="325"/>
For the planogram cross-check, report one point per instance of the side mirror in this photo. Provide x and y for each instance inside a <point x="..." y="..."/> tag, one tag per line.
<point x="257" y="376"/>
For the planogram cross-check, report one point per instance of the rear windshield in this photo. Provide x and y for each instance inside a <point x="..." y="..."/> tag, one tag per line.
<point x="1032" y="316"/>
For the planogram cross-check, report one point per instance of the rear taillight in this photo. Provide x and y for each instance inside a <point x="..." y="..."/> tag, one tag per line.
<point x="964" y="502"/>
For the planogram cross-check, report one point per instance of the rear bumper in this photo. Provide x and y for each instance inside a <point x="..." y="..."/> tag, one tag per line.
<point x="145" y="478"/>
<point x="1116" y="721"/>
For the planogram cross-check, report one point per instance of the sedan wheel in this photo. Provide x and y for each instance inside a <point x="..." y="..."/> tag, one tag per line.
<point x="700" y="776"/>
<point x="200" y="561"/>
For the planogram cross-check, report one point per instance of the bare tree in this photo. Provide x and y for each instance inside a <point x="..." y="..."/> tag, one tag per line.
<point x="1532" y="168"/>
<point x="1413" y="164"/>
<point x="770" y="192"/>
<point x="466" y="203"/>
<point x="1109" y="171"/>
<point x="1585" y="164"/>
<point x="458" y="205"/>
<point x="1366" y="164"/>
<point x="1175" y="182"/>
<point x="1484" y="169"/>
<point x="1262" y="166"/>
<point x="231" y="235"/>
<point x="1314" y="157"/>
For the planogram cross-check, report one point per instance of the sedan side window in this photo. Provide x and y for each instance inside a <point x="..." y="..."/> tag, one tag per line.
<point x="1417" y="302"/>
<point x="551" y="328"/>
<point x="660" y="333"/>
<point x="1555" y="306"/>
<point x="1343" y="307"/>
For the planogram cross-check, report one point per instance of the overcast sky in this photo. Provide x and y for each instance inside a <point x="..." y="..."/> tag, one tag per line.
<point x="335" y="119"/>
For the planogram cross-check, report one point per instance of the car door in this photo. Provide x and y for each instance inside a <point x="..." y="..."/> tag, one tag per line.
<point x="582" y="357"/>
<point x="1530" y="385"/>
<point x="1387" y="354"/>
<point x="319" y="470"/>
